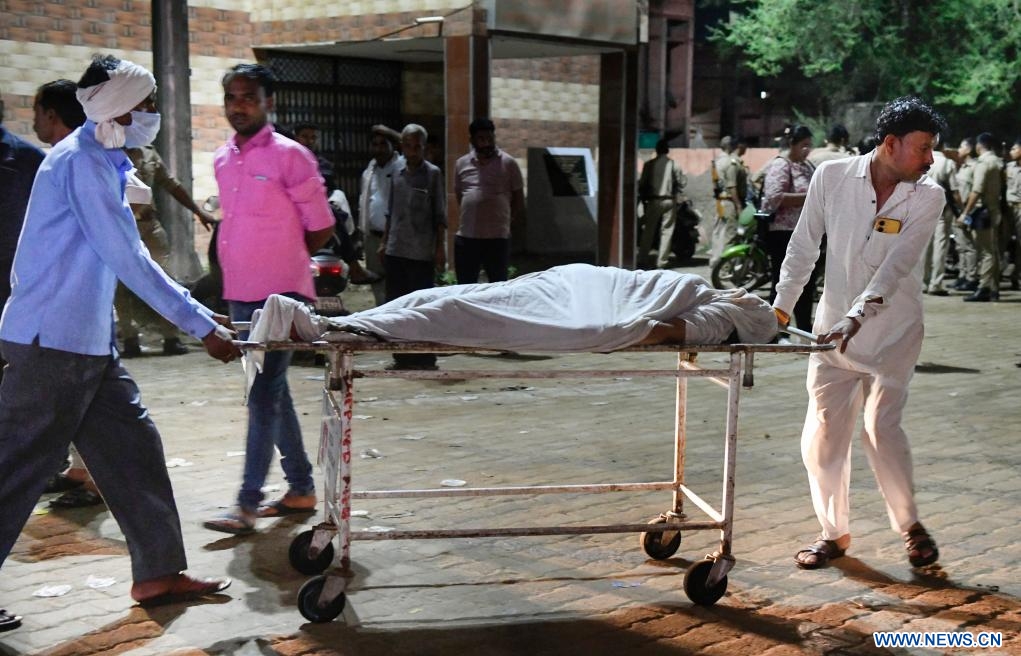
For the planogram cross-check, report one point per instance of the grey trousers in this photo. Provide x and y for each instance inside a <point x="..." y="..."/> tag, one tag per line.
<point x="49" y="398"/>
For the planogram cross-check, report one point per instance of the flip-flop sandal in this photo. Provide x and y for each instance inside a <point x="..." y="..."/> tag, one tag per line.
<point x="918" y="541"/>
<point x="279" y="509"/>
<point x="232" y="523"/>
<point x="77" y="498"/>
<point x="823" y="550"/>
<point x="210" y="587"/>
<point x="9" y="621"/>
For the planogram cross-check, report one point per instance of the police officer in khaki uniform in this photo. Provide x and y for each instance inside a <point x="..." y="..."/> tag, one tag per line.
<point x="132" y="312"/>
<point x="935" y="261"/>
<point x="835" y="148"/>
<point x="967" y="276"/>
<point x="731" y="185"/>
<point x="987" y="185"/>
<point x="1013" y="220"/>
<point x="661" y="190"/>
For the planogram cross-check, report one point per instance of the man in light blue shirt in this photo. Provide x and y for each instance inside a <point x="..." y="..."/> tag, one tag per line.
<point x="64" y="380"/>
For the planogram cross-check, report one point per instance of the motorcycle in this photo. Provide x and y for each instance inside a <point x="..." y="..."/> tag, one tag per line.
<point x="330" y="274"/>
<point x="744" y="262"/>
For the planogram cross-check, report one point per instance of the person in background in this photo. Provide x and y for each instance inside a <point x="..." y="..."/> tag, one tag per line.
<point x="342" y="244"/>
<point x="935" y="259"/>
<point x="784" y="192"/>
<point x="19" y="160"/>
<point x="275" y="214"/>
<point x="878" y="212"/>
<point x="374" y="198"/>
<point x="964" y="237"/>
<point x="56" y="113"/>
<point x="986" y="188"/>
<point x="132" y="312"/>
<point x="57" y="333"/>
<point x="731" y="192"/>
<point x="661" y="190"/>
<point x="414" y="241"/>
<point x="1012" y="220"/>
<point x="490" y="195"/>
<point x="835" y="148"/>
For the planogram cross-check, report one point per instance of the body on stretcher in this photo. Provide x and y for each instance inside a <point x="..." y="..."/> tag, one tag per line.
<point x="324" y="596"/>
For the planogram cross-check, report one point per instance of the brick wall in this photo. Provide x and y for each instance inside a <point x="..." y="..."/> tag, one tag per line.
<point x="535" y="102"/>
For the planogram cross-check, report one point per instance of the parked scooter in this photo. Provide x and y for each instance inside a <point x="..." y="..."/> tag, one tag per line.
<point x="744" y="262"/>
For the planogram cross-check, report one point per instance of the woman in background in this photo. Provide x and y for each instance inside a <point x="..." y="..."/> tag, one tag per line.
<point x="783" y="193"/>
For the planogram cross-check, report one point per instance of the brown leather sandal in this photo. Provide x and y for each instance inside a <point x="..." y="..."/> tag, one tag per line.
<point x="823" y="550"/>
<point x="921" y="547"/>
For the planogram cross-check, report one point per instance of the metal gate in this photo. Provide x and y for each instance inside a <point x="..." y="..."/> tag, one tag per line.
<point x="345" y="98"/>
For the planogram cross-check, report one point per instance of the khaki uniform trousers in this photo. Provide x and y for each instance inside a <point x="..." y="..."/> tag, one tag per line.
<point x="133" y="312"/>
<point x="987" y="253"/>
<point x="661" y="212"/>
<point x="724" y="230"/>
<point x="936" y="253"/>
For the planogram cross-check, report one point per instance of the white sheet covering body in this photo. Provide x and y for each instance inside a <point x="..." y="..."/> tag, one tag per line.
<point x="576" y="307"/>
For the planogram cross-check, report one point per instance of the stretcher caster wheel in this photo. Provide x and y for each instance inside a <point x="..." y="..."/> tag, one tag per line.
<point x="308" y="602"/>
<point x="660" y="546"/>
<point x="300" y="559"/>
<point x="695" y="584"/>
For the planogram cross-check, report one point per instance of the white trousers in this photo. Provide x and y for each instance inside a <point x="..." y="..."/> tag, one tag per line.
<point x="836" y="398"/>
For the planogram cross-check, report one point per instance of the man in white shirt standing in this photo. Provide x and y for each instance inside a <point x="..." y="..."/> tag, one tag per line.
<point x="878" y="212"/>
<point x="374" y="200"/>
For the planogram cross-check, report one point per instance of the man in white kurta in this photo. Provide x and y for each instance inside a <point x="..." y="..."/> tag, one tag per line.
<point x="878" y="212"/>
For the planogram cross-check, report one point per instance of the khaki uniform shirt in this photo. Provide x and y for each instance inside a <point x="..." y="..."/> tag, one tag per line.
<point x="1013" y="172"/>
<point x="988" y="181"/>
<point x="152" y="171"/>
<point x="965" y="175"/>
<point x="828" y="152"/>
<point x="661" y="179"/>
<point x="732" y="174"/>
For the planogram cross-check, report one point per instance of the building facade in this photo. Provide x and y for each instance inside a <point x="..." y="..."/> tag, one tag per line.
<point x="561" y="73"/>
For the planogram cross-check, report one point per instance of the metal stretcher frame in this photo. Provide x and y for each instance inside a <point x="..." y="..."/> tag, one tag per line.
<point x="322" y="598"/>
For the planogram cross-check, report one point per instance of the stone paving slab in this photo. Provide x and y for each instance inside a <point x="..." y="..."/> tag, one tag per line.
<point x="577" y="594"/>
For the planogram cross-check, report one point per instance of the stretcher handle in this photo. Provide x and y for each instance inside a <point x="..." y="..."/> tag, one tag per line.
<point x="801" y="333"/>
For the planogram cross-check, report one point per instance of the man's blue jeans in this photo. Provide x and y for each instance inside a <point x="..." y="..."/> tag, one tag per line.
<point x="271" y="422"/>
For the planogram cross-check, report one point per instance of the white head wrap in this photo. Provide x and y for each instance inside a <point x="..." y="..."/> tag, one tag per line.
<point x="129" y="84"/>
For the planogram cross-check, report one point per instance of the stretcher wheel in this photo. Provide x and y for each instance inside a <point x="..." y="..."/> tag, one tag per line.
<point x="300" y="560"/>
<point x="308" y="602"/>
<point x="660" y="546"/>
<point x="695" y="584"/>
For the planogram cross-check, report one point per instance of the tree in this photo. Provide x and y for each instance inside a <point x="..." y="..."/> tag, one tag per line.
<point x="958" y="53"/>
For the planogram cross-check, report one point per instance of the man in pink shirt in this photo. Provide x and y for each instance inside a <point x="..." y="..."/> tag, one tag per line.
<point x="274" y="214"/>
<point x="490" y="193"/>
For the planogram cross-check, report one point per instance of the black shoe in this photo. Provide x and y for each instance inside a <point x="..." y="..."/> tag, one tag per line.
<point x="939" y="292"/>
<point x="132" y="349"/>
<point x="366" y="278"/>
<point x="173" y="346"/>
<point x="969" y="286"/>
<point x="9" y="621"/>
<point x="980" y="296"/>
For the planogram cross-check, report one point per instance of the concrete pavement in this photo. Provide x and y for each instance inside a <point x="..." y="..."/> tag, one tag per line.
<point x="564" y="595"/>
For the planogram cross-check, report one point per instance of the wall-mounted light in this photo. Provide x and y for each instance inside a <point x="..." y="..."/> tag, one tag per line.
<point x="763" y="95"/>
<point x="422" y="20"/>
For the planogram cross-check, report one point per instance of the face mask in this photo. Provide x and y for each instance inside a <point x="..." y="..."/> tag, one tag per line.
<point x="143" y="129"/>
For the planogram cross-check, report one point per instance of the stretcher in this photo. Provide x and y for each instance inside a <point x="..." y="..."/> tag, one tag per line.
<point x="324" y="596"/>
